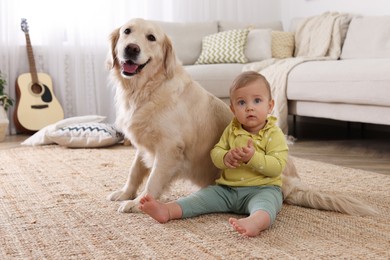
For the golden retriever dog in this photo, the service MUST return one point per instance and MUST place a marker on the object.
(173, 123)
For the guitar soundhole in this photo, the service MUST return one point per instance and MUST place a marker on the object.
(36, 88)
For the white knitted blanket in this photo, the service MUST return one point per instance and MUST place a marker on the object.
(316, 38)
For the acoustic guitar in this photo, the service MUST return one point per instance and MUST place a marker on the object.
(36, 105)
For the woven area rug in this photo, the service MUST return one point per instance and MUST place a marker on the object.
(53, 206)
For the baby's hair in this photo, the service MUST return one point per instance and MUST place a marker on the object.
(248, 77)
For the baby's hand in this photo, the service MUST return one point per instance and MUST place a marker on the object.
(233, 158)
(248, 151)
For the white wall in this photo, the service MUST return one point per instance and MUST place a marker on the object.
(303, 8)
(271, 10)
(231, 10)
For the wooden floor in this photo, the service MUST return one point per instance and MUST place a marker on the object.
(353, 145)
(12, 141)
(369, 154)
(337, 143)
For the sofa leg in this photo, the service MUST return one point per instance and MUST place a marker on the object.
(362, 133)
(295, 126)
(362, 130)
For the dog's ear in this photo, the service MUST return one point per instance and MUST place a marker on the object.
(170, 61)
(111, 60)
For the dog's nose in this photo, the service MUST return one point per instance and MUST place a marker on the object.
(132, 50)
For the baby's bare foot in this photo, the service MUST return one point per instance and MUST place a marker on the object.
(241, 227)
(157, 210)
(251, 226)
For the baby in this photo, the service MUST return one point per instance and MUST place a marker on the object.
(252, 153)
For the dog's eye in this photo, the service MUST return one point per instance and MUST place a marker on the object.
(151, 38)
(127, 31)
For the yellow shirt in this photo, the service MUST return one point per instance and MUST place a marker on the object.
(266, 165)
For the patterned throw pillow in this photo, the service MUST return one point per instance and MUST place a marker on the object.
(41, 137)
(84, 135)
(224, 47)
(283, 44)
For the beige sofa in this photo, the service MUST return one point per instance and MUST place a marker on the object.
(354, 88)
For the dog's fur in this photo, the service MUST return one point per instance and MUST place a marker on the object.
(173, 123)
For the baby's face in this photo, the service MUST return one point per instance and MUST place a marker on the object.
(251, 105)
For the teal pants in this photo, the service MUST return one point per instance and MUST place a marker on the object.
(239, 200)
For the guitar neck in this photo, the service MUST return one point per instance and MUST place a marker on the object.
(31, 60)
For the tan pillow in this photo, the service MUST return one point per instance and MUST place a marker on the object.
(283, 44)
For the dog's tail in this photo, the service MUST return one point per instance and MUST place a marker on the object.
(300, 194)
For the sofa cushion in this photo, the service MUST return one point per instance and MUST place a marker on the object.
(283, 44)
(363, 81)
(187, 38)
(215, 78)
(258, 45)
(230, 25)
(367, 37)
(224, 47)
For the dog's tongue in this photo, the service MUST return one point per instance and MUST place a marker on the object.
(129, 68)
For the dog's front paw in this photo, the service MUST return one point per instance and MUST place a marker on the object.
(119, 195)
(128, 206)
